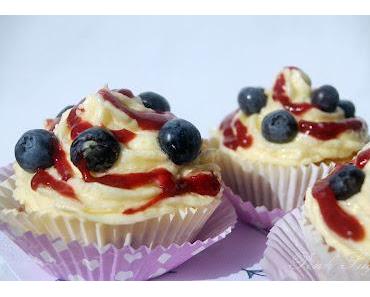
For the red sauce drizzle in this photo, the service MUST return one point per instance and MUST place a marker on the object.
(280, 95)
(61, 163)
(64, 169)
(236, 134)
(342, 223)
(203, 183)
(42, 177)
(125, 92)
(329, 130)
(76, 124)
(148, 120)
(362, 159)
(123, 135)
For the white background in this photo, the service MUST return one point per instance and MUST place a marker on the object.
(198, 63)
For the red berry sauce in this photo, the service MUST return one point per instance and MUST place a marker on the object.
(76, 124)
(235, 133)
(342, 223)
(43, 178)
(147, 120)
(330, 130)
(202, 183)
(280, 95)
(61, 163)
(125, 92)
(362, 159)
(64, 169)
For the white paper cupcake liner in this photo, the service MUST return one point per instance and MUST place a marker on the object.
(178, 227)
(330, 264)
(76, 260)
(286, 256)
(272, 186)
(296, 251)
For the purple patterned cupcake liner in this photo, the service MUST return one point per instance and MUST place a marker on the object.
(77, 261)
(259, 217)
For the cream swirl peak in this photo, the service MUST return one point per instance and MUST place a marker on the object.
(115, 158)
(292, 124)
(338, 208)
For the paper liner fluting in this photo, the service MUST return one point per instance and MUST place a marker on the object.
(296, 251)
(287, 256)
(78, 260)
(177, 227)
(259, 216)
(330, 264)
(268, 185)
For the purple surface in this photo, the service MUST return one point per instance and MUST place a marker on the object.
(242, 249)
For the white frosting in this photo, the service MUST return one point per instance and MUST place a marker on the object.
(103, 203)
(303, 149)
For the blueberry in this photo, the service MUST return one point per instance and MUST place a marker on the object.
(64, 110)
(155, 101)
(279, 126)
(180, 140)
(251, 100)
(326, 98)
(347, 181)
(35, 149)
(98, 147)
(348, 107)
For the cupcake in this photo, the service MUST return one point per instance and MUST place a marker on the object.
(336, 221)
(327, 238)
(280, 141)
(115, 169)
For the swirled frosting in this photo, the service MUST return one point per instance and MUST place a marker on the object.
(343, 224)
(338, 138)
(68, 190)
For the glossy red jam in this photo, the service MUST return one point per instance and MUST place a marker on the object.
(203, 183)
(43, 178)
(342, 223)
(125, 92)
(362, 159)
(61, 163)
(280, 95)
(64, 169)
(77, 126)
(147, 120)
(75, 123)
(329, 130)
(123, 136)
(235, 134)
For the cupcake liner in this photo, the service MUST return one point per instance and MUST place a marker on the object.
(177, 227)
(330, 264)
(268, 185)
(259, 217)
(76, 260)
(296, 251)
(287, 256)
